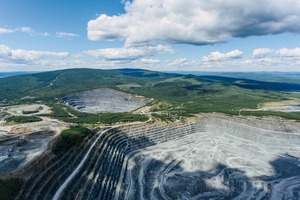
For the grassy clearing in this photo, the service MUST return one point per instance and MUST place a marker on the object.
(290, 115)
(110, 118)
(207, 97)
(165, 117)
(68, 114)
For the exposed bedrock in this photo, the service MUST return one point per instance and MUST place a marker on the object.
(16, 151)
(212, 157)
(104, 100)
(231, 159)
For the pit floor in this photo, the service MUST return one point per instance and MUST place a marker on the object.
(211, 165)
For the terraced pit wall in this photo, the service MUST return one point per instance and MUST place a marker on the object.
(103, 170)
(102, 175)
(233, 158)
(270, 132)
(144, 136)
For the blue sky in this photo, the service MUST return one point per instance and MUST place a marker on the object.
(197, 35)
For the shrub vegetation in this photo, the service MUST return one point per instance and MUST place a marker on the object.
(9, 188)
(71, 137)
(23, 119)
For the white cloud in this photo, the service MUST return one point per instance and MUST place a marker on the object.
(150, 61)
(196, 21)
(248, 61)
(129, 53)
(5, 51)
(136, 57)
(182, 64)
(218, 56)
(262, 52)
(28, 56)
(68, 35)
(177, 62)
(6, 30)
(258, 64)
(31, 31)
(284, 52)
(24, 29)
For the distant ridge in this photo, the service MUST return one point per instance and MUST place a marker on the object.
(8, 74)
(173, 93)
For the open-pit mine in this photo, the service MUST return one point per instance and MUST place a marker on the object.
(211, 156)
(22, 143)
(104, 100)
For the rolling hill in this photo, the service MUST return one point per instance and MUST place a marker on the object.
(173, 94)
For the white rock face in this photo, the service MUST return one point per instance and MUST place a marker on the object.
(231, 159)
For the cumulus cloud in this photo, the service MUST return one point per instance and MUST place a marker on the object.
(5, 51)
(67, 35)
(28, 56)
(137, 57)
(129, 53)
(196, 21)
(218, 56)
(261, 52)
(284, 52)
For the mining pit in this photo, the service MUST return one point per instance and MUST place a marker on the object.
(104, 100)
(22, 143)
(16, 151)
(289, 108)
(212, 156)
(228, 159)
